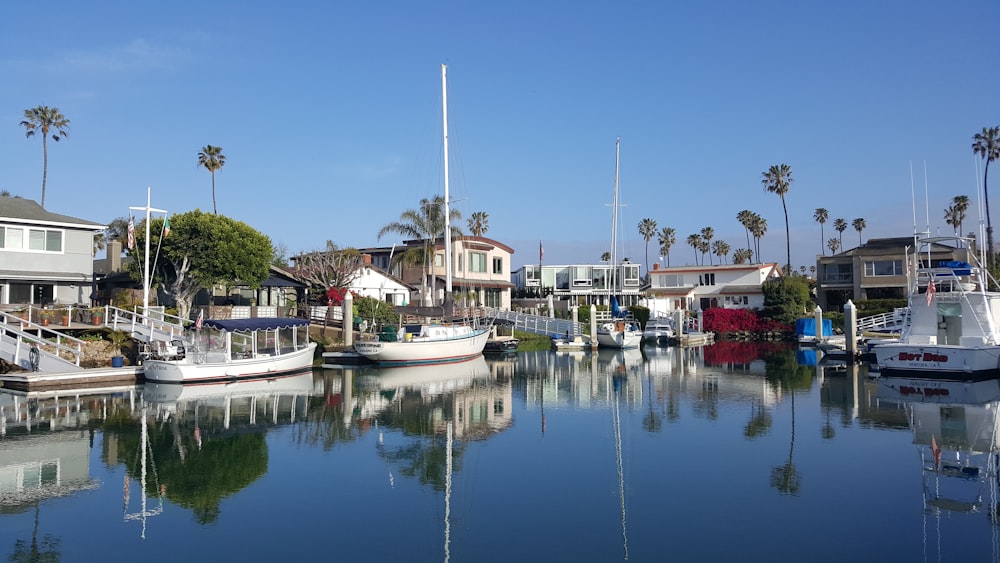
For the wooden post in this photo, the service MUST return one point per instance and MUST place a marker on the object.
(348, 314)
(850, 329)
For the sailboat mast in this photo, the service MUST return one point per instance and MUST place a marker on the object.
(447, 203)
(614, 224)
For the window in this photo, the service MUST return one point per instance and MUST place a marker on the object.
(439, 260)
(732, 300)
(706, 279)
(884, 268)
(498, 265)
(531, 276)
(492, 297)
(631, 275)
(477, 262)
(39, 240)
(599, 278)
(581, 276)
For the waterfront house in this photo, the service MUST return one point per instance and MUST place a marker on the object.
(581, 284)
(874, 270)
(696, 288)
(47, 258)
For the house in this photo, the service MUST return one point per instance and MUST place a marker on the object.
(582, 284)
(45, 258)
(874, 270)
(730, 286)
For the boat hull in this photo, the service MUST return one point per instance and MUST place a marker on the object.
(944, 362)
(435, 351)
(614, 336)
(191, 370)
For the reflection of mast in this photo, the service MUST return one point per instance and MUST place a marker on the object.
(142, 514)
(617, 423)
(447, 496)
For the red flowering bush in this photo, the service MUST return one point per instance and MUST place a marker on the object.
(723, 321)
(336, 295)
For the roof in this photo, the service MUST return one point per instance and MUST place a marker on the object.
(20, 210)
(715, 268)
(260, 323)
(893, 246)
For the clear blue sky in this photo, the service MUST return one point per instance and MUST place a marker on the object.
(329, 114)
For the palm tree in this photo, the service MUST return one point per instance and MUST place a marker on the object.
(742, 256)
(834, 245)
(859, 225)
(647, 228)
(707, 234)
(606, 257)
(427, 224)
(52, 124)
(777, 179)
(745, 217)
(821, 215)
(667, 238)
(721, 249)
(951, 215)
(987, 145)
(961, 204)
(840, 226)
(479, 223)
(212, 159)
(758, 228)
(695, 242)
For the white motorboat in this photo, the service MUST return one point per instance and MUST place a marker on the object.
(658, 329)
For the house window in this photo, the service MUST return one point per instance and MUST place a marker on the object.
(492, 297)
(477, 262)
(706, 279)
(737, 300)
(581, 276)
(631, 275)
(884, 268)
(498, 265)
(39, 240)
(531, 276)
(439, 260)
(599, 278)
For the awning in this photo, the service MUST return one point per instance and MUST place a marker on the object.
(278, 281)
(248, 325)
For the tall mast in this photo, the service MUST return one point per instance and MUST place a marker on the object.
(614, 224)
(447, 203)
(145, 275)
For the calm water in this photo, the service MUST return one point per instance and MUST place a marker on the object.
(735, 452)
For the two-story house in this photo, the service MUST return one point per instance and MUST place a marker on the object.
(731, 286)
(874, 270)
(45, 257)
(582, 284)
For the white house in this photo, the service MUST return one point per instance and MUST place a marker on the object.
(735, 286)
(371, 281)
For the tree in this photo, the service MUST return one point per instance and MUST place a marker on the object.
(279, 250)
(961, 204)
(647, 228)
(742, 256)
(694, 241)
(707, 234)
(721, 249)
(606, 256)
(859, 225)
(840, 226)
(834, 245)
(821, 215)
(212, 159)
(951, 217)
(667, 238)
(479, 223)
(745, 218)
(425, 223)
(987, 146)
(777, 180)
(51, 123)
(758, 228)
(202, 250)
(331, 267)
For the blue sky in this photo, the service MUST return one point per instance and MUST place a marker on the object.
(329, 114)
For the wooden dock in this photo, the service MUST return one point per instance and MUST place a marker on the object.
(79, 379)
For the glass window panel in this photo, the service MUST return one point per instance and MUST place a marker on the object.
(53, 242)
(36, 239)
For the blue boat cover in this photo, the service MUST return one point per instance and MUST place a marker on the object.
(960, 268)
(807, 327)
(249, 325)
(616, 312)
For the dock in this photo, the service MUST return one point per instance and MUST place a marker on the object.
(77, 379)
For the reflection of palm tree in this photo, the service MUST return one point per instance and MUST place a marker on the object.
(760, 421)
(786, 478)
(652, 422)
(36, 552)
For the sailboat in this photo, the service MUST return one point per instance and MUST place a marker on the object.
(432, 343)
(619, 330)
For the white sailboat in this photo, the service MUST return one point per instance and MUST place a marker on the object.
(438, 342)
(619, 331)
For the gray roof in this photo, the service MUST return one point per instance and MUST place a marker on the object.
(20, 210)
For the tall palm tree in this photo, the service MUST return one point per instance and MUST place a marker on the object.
(647, 228)
(987, 145)
(427, 224)
(479, 223)
(961, 204)
(606, 257)
(695, 241)
(707, 234)
(777, 179)
(212, 159)
(859, 225)
(951, 215)
(758, 228)
(742, 256)
(667, 238)
(834, 245)
(745, 217)
(721, 249)
(821, 215)
(52, 124)
(840, 226)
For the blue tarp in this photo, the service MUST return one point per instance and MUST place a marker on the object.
(615, 311)
(960, 268)
(262, 323)
(806, 356)
(807, 327)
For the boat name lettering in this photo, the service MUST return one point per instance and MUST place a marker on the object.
(928, 392)
(925, 357)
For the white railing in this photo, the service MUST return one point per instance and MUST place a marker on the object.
(25, 333)
(538, 324)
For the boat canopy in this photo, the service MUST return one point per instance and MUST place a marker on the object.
(250, 325)
(807, 327)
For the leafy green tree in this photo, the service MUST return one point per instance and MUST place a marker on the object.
(212, 159)
(647, 228)
(667, 238)
(479, 223)
(821, 215)
(777, 180)
(201, 251)
(280, 255)
(786, 299)
(425, 223)
(840, 226)
(50, 123)
(859, 225)
(987, 145)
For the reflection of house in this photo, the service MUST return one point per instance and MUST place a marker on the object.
(731, 286)
(875, 270)
(44, 257)
(583, 284)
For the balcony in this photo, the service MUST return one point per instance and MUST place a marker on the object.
(840, 277)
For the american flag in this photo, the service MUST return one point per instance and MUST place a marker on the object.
(930, 292)
(131, 233)
(201, 319)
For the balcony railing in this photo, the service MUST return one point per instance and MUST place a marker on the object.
(838, 278)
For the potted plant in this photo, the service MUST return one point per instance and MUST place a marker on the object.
(64, 316)
(97, 315)
(118, 339)
(44, 317)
